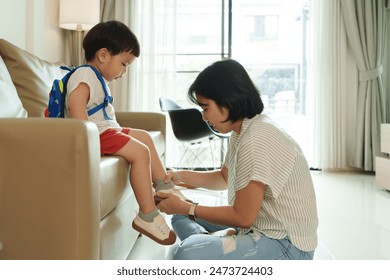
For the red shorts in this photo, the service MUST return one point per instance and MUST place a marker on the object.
(112, 140)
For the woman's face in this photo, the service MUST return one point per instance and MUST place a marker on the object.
(216, 116)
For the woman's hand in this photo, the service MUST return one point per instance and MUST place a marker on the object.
(171, 177)
(176, 178)
(172, 204)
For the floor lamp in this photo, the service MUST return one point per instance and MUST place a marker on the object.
(78, 17)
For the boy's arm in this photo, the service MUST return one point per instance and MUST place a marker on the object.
(77, 102)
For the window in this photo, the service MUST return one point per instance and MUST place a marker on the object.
(265, 27)
(268, 37)
(200, 40)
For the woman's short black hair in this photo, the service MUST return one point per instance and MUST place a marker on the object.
(228, 84)
(113, 35)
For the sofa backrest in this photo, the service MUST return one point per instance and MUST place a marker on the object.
(31, 76)
(10, 104)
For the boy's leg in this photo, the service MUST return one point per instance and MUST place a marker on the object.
(149, 221)
(157, 167)
(137, 154)
(158, 171)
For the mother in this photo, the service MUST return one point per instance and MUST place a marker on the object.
(271, 211)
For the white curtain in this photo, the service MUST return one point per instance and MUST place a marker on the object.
(365, 24)
(332, 99)
(153, 73)
(107, 10)
(386, 64)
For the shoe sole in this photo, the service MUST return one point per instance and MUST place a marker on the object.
(169, 241)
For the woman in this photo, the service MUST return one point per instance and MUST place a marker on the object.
(272, 207)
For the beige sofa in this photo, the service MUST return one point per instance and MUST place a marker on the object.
(58, 198)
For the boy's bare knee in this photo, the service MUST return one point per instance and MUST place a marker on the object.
(142, 152)
(135, 151)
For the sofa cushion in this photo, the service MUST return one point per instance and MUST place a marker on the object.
(31, 75)
(10, 104)
(159, 142)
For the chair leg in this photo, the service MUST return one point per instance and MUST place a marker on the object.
(195, 156)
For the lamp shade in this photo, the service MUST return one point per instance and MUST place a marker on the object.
(79, 14)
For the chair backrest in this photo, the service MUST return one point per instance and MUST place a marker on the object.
(167, 104)
(188, 125)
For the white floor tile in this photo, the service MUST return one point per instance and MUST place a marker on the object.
(354, 222)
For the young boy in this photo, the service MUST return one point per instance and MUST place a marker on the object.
(111, 47)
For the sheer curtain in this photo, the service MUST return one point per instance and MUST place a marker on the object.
(386, 64)
(332, 99)
(366, 24)
(107, 10)
(153, 73)
(335, 91)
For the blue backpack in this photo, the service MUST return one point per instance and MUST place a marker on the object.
(56, 104)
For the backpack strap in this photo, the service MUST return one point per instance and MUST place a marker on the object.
(64, 83)
(107, 98)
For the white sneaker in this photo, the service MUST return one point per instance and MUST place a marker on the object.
(158, 230)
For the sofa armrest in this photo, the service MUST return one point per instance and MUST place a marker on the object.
(49, 189)
(150, 121)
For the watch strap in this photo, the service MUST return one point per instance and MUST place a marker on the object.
(191, 212)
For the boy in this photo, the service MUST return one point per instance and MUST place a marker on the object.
(111, 47)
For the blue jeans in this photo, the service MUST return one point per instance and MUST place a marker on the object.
(197, 244)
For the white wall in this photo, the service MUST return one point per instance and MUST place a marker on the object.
(33, 25)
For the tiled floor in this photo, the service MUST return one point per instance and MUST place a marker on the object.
(354, 218)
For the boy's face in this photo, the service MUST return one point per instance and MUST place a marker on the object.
(115, 66)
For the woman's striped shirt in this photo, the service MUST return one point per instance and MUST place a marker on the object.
(263, 152)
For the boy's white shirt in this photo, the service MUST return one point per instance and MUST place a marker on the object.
(88, 76)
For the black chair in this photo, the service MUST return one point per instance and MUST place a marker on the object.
(189, 128)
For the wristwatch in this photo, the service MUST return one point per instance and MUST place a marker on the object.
(191, 213)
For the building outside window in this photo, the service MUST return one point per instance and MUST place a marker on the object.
(270, 39)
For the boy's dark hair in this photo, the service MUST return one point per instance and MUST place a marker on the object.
(115, 36)
(227, 83)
